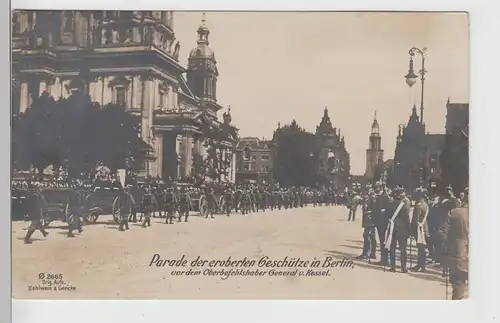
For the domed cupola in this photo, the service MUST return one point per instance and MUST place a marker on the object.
(202, 70)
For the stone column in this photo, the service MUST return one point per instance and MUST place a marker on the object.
(96, 90)
(175, 97)
(146, 108)
(23, 100)
(188, 156)
(178, 140)
(170, 98)
(42, 87)
(159, 153)
(233, 168)
(136, 92)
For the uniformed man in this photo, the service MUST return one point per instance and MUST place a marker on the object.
(125, 209)
(147, 203)
(399, 229)
(75, 212)
(211, 203)
(355, 202)
(228, 200)
(184, 204)
(170, 205)
(420, 230)
(447, 203)
(456, 251)
(368, 225)
(36, 207)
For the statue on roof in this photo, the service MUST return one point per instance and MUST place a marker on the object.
(227, 116)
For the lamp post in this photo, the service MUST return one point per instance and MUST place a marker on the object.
(411, 77)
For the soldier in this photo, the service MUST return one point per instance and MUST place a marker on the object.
(229, 200)
(420, 230)
(147, 206)
(456, 251)
(125, 209)
(353, 207)
(36, 206)
(75, 211)
(211, 202)
(184, 204)
(170, 205)
(368, 225)
(398, 231)
(447, 203)
(133, 208)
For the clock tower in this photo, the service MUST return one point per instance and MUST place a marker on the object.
(202, 70)
(374, 153)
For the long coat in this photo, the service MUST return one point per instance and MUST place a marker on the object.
(419, 212)
(456, 250)
(402, 220)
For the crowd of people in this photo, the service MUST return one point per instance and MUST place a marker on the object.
(169, 200)
(438, 225)
(387, 218)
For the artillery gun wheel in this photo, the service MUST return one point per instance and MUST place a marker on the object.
(116, 210)
(92, 216)
(203, 205)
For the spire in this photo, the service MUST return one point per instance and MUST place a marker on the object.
(203, 31)
(375, 126)
(448, 102)
(325, 112)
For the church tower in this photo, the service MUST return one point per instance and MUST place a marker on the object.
(202, 70)
(374, 153)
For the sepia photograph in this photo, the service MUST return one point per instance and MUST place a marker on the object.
(245, 155)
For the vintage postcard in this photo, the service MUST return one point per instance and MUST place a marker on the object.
(240, 155)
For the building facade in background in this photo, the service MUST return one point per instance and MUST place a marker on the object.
(254, 160)
(374, 154)
(333, 159)
(130, 58)
(423, 159)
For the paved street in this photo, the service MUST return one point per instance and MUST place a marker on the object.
(103, 263)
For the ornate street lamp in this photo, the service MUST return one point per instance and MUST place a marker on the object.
(411, 77)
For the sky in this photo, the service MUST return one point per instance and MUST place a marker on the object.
(279, 66)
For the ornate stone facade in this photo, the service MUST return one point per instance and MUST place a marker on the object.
(334, 161)
(124, 57)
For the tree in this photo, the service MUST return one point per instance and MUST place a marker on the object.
(36, 136)
(78, 135)
(295, 163)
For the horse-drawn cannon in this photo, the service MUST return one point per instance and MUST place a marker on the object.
(61, 203)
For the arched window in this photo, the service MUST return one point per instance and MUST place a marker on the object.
(247, 153)
(120, 87)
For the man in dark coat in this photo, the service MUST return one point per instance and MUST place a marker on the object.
(368, 225)
(36, 207)
(456, 248)
(447, 203)
(419, 228)
(400, 217)
(381, 219)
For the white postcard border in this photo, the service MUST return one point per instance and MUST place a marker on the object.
(485, 67)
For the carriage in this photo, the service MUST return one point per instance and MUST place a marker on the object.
(103, 197)
(61, 202)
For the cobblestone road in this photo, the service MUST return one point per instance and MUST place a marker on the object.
(103, 263)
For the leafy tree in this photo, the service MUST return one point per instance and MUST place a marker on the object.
(78, 135)
(36, 135)
(295, 163)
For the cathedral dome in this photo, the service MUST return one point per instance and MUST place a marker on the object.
(202, 50)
